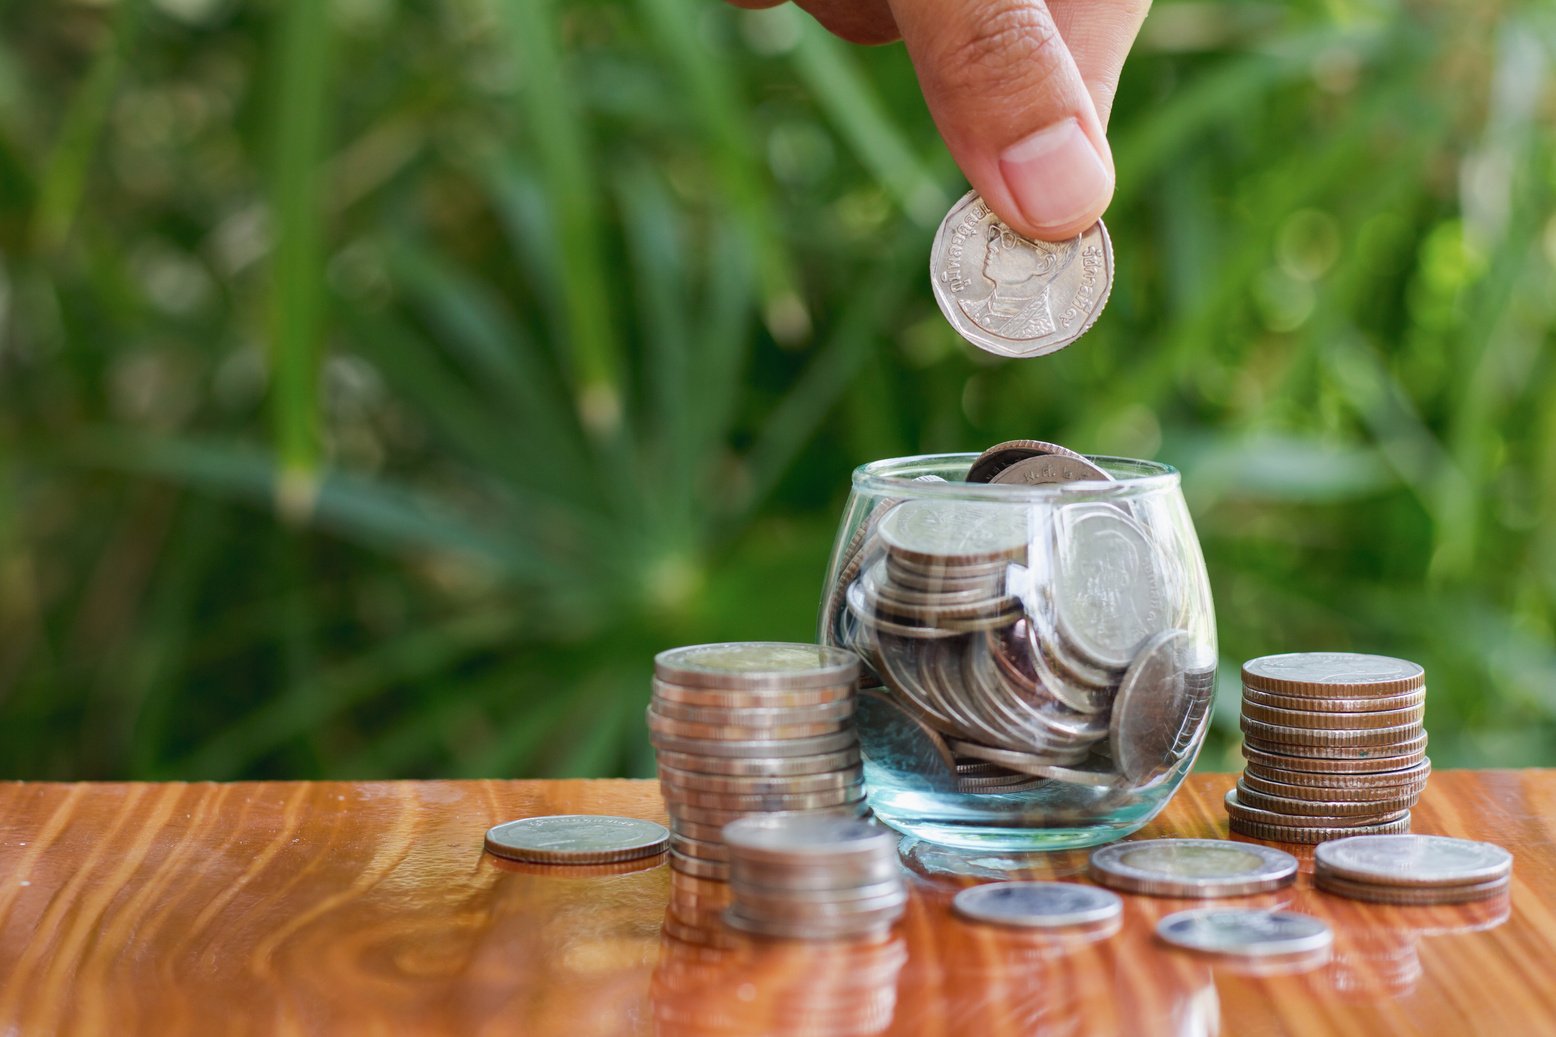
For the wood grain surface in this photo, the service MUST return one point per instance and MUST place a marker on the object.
(370, 908)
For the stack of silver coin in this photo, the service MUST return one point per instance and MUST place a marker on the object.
(751, 727)
(800, 876)
(1334, 747)
(988, 631)
(1412, 869)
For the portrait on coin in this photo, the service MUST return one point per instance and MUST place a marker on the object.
(1021, 271)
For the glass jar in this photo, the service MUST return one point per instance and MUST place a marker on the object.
(1041, 658)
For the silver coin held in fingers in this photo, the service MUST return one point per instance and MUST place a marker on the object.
(1010, 295)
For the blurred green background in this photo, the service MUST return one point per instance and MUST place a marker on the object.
(381, 384)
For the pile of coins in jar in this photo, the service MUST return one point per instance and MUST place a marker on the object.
(1334, 747)
(1023, 645)
(751, 727)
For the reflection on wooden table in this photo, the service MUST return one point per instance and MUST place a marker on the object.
(350, 908)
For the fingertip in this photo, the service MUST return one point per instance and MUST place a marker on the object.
(1057, 180)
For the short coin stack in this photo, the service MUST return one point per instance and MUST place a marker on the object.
(802, 876)
(1412, 869)
(751, 727)
(997, 630)
(1334, 747)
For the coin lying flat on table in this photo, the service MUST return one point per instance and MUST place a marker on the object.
(1037, 905)
(1245, 933)
(577, 839)
(1410, 896)
(1013, 296)
(1414, 860)
(1192, 867)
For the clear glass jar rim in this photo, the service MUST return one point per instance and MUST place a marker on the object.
(896, 477)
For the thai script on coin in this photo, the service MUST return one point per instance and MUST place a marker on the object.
(576, 839)
(1010, 295)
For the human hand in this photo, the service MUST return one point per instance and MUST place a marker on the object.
(1020, 89)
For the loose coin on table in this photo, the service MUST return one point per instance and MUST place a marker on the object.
(1411, 896)
(1192, 867)
(1037, 905)
(1415, 860)
(1238, 932)
(577, 839)
(1013, 296)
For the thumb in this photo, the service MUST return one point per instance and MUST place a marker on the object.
(1006, 94)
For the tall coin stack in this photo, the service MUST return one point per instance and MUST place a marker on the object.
(805, 877)
(751, 727)
(1334, 747)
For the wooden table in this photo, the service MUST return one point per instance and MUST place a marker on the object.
(367, 908)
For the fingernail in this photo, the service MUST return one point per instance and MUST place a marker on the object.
(1055, 175)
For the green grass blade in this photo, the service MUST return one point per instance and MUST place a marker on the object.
(830, 71)
(558, 133)
(62, 181)
(660, 272)
(299, 128)
(829, 374)
(713, 93)
(497, 353)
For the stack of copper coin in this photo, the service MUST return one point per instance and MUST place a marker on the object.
(986, 625)
(1334, 747)
(801, 876)
(751, 727)
(1413, 869)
